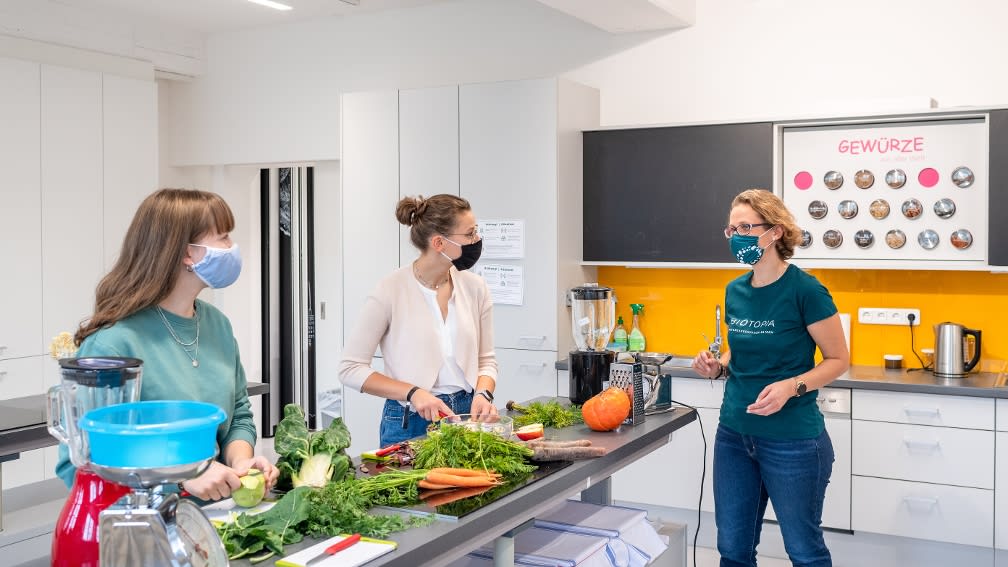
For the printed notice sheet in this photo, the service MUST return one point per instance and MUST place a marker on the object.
(506, 283)
(503, 239)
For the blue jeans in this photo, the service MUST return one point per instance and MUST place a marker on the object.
(392, 430)
(792, 473)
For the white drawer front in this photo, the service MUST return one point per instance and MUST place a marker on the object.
(1001, 415)
(834, 400)
(20, 377)
(698, 392)
(925, 511)
(924, 409)
(944, 455)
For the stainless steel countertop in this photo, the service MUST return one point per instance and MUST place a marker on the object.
(978, 384)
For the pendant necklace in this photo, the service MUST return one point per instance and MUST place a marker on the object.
(425, 283)
(193, 352)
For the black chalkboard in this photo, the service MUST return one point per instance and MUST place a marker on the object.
(663, 194)
(997, 247)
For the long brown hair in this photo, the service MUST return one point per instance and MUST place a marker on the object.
(426, 217)
(773, 211)
(153, 249)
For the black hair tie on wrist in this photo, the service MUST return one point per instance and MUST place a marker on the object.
(411, 392)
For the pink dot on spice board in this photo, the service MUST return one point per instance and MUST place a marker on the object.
(928, 177)
(803, 180)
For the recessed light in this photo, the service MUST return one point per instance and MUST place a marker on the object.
(271, 4)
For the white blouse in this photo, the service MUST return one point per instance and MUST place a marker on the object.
(450, 378)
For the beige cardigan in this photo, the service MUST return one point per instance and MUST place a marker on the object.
(397, 317)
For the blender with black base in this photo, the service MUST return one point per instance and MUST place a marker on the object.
(593, 315)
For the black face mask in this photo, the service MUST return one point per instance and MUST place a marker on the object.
(470, 254)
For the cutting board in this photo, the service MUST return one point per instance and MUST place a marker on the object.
(357, 554)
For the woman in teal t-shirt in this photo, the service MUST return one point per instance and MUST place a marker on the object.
(771, 442)
(178, 244)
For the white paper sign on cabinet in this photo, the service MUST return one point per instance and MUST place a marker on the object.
(506, 283)
(503, 239)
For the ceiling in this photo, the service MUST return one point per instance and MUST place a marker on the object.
(212, 16)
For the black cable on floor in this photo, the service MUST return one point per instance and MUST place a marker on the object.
(703, 476)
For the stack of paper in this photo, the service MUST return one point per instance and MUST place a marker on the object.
(631, 540)
(551, 548)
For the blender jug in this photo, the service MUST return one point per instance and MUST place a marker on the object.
(593, 316)
(88, 383)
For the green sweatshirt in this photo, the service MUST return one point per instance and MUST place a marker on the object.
(168, 372)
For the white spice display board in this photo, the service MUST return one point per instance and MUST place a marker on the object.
(889, 191)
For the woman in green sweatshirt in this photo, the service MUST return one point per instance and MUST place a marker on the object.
(146, 307)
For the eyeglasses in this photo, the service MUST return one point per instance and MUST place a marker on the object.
(473, 235)
(743, 228)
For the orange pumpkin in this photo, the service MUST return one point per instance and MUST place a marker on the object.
(607, 410)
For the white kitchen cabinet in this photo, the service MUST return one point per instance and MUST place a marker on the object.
(29, 467)
(362, 415)
(1001, 491)
(72, 224)
(563, 383)
(671, 475)
(21, 377)
(428, 150)
(920, 510)
(523, 375)
(129, 156)
(21, 226)
(923, 466)
(370, 191)
(520, 157)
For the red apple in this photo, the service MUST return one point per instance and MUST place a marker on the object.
(529, 432)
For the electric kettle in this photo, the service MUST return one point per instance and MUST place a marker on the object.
(951, 349)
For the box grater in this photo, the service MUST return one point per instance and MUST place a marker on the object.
(630, 377)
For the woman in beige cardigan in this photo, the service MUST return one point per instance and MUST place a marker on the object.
(434, 323)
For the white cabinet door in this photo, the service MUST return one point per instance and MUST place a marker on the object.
(428, 149)
(671, 475)
(21, 212)
(29, 467)
(71, 196)
(362, 415)
(370, 189)
(129, 119)
(523, 375)
(1001, 492)
(508, 170)
(20, 377)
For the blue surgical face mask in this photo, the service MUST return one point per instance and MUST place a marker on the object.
(746, 249)
(220, 266)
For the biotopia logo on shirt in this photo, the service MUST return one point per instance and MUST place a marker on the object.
(751, 326)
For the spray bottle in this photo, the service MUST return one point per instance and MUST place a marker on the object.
(636, 338)
(620, 342)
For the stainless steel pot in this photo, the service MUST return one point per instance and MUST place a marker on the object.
(951, 350)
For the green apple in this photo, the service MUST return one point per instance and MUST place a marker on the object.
(252, 489)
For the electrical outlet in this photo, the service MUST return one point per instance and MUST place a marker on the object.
(887, 316)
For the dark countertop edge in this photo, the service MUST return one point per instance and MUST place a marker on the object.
(36, 436)
(976, 385)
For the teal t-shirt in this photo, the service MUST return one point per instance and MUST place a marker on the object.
(769, 341)
(168, 372)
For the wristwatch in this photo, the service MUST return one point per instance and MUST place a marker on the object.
(486, 394)
(800, 388)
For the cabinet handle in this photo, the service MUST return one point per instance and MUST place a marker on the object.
(928, 446)
(933, 412)
(533, 338)
(919, 504)
(533, 365)
(3, 373)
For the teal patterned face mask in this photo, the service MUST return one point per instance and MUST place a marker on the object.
(746, 249)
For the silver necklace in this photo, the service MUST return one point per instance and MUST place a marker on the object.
(192, 353)
(416, 272)
(771, 281)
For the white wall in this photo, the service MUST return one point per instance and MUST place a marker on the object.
(743, 59)
(272, 95)
(780, 58)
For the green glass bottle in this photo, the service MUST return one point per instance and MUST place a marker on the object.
(636, 338)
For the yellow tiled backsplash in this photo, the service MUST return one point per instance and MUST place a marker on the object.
(679, 307)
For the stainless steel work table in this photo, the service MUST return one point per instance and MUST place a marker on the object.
(446, 541)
